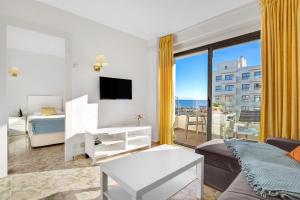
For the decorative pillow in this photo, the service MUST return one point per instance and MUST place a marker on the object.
(48, 111)
(295, 154)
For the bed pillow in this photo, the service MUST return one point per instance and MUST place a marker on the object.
(46, 111)
(295, 154)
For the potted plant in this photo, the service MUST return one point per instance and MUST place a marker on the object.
(140, 117)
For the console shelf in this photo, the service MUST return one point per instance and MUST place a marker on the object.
(110, 142)
(116, 140)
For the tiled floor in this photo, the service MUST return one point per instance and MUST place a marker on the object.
(191, 140)
(24, 159)
(42, 173)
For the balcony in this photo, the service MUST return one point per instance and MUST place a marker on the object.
(225, 92)
(222, 79)
(189, 137)
(250, 103)
(255, 79)
(255, 91)
(233, 80)
(224, 125)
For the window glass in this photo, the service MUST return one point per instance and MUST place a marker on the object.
(257, 74)
(257, 98)
(240, 68)
(229, 77)
(245, 87)
(245, 98)
(245, 76)
(218, 78)
(257, 86)
(191, 87)
(229, 87)
(218, 88)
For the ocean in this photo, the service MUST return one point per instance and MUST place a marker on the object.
(190, 103)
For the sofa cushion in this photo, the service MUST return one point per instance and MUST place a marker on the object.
(218, 155)
(239, 189)
(295, 154)
(285, 144)
(218, 178)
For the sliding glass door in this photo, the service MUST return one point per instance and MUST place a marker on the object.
(236, 91)
(191, 94)
(221, 81)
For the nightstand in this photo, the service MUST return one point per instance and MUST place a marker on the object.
(17, 125)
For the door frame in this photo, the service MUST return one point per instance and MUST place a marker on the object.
(210, 49)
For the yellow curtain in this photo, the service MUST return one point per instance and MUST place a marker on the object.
(280, 112)
(166, 93)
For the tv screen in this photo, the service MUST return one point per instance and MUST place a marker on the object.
(114, 88)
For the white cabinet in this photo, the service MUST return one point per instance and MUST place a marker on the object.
(16, 125)
(116, 140)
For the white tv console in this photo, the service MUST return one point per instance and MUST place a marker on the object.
(116, 140)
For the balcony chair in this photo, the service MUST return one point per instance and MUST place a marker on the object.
(246, 119)
(195, 119)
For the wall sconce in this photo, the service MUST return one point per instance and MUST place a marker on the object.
(14, 71)
(101, 61)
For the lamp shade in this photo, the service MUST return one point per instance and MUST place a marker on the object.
(101, 61)
(14, 71)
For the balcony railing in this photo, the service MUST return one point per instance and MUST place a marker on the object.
(223, 91)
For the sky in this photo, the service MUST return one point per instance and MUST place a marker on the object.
(192, 72)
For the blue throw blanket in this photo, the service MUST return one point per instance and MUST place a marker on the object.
(268, 169)
(49, 125)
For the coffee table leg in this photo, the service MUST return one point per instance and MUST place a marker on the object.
(104, 184)
(200, 182)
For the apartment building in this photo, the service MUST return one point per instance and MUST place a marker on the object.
(237, 86)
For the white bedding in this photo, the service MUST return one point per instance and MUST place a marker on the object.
(38, 116)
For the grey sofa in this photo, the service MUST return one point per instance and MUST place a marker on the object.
(222, 170)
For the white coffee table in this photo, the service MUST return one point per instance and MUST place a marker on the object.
(154, 174)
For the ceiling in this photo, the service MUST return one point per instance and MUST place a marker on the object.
(147, 19)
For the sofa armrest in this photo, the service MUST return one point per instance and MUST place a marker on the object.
(285, 144)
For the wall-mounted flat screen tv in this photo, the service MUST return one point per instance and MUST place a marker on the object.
(115, 88)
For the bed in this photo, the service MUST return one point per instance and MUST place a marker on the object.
(45, 130)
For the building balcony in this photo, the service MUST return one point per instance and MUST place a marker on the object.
(231, 81)
(249, 103)
(225, 92)
(245, 91)
(255, 91)
(245, 80)
(255, 79)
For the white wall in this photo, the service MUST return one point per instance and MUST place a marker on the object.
(243, 20)
(3, 115)
(39, 75)
(35, 42)
(126, 55)
(152, 87)
(41, 61)
(80, 116)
